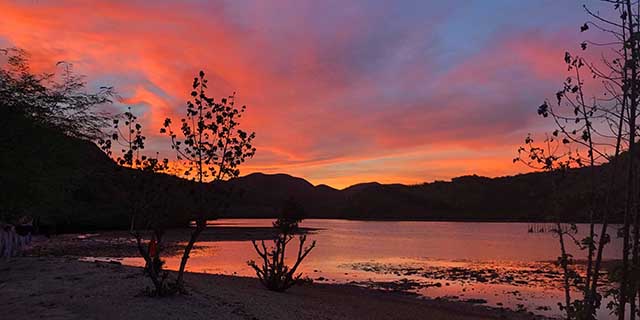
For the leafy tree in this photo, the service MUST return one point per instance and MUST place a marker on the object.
(55, 100)
(604, 127)
(154, 216)
(128, 136)
(619, 75)
(212, 146)
(556, 158)
(273, 272)
(147, 201)
(49, 104)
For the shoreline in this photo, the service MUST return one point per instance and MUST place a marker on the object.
(65, 288)
(121, 244)
(393, 219)
(410, 219)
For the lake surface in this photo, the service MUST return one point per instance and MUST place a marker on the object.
(500, 263)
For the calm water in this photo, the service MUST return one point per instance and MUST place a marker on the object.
(498, 262)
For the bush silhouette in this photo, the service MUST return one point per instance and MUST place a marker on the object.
(274, 273)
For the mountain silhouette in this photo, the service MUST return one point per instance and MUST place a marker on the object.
(468, 198)
(71, 184)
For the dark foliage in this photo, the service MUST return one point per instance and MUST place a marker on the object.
(524, 197)
(212, 147)
(59, 101)
(69, 183)
(149, 208)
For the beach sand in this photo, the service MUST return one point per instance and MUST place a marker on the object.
(65, 288)
(51, 283)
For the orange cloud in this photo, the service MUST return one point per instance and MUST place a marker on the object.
(335, 96)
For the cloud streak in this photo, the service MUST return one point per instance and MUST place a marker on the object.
(337, 93)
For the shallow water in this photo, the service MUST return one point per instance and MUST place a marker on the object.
(500, 263)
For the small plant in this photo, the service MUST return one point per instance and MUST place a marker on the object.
(274, 273)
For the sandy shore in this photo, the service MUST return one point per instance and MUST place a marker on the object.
(64, 288)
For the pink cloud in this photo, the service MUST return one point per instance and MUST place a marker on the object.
(320, 100)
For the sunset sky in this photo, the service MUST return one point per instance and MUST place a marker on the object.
(338, 92)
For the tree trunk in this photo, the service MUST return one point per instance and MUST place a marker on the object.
(185, 256)
(630, 201)
(565, 268)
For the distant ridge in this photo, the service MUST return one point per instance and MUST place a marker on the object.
(523, 197)
(72, 184)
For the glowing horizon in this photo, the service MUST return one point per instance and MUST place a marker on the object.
(338, 94)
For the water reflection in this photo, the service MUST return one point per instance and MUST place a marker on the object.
(497, 263)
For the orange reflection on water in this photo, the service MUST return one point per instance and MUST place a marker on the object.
(500, 263)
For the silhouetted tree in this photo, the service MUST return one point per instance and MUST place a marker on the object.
(128, 136)
(146, 197)
(154, 212)
(604, 127)
(44, 102)
(212, 147)
(273, 271)
(556, 158)
(56, 100)
(619, 75)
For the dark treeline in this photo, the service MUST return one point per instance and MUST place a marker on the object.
(524, 197)
(70, 184)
